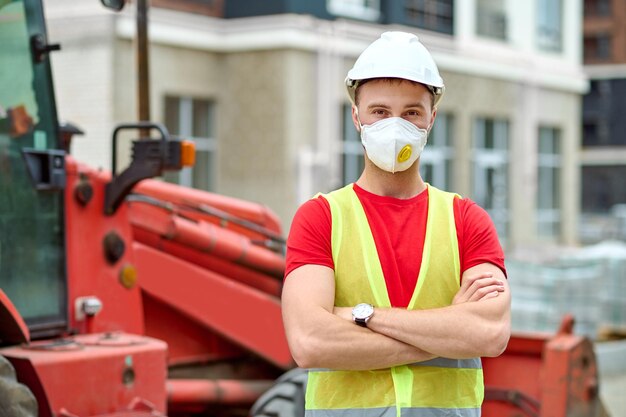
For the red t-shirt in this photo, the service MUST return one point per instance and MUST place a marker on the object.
(399, 228)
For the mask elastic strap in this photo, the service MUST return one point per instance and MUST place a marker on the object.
(358, 119)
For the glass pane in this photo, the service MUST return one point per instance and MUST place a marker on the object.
(349, 132)
(172, 115)
(202, 171)
(352, 168)
(436, 15)
(426, 171)
(172, 176)
(201, 119)
(490, 171)
(449, 166)
(556, 188)
(544, 198)
(491, 19)
(32, 267)
(603, 187)
(549, 24)
(489, 140)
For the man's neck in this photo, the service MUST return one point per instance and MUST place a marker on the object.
(405, 184)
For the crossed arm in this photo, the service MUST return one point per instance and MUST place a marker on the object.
(322, 336)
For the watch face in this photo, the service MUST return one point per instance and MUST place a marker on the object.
(362, 311)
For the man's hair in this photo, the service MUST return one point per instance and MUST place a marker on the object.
(391, 80)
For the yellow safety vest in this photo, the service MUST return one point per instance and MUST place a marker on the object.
(434, 388)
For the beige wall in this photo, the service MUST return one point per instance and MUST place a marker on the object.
(526, 107)
(264, 121)
(263, 113)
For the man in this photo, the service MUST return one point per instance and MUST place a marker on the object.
(394, 289)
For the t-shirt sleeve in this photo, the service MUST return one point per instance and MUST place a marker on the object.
(478, 239)
(309, 236)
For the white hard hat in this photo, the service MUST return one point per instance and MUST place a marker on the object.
(396, 55)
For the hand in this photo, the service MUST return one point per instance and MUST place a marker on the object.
(478, 287)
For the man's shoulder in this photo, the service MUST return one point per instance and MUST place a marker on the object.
(313, 208)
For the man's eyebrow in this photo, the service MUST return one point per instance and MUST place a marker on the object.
(386, 106)
(418, 104)
(378, 105)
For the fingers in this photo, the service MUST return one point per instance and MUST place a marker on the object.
(489, 291)
(478, 287)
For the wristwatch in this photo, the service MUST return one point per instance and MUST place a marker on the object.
(361, 313)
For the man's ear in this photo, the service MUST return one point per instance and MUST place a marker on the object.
(355, 118)
(432, 119)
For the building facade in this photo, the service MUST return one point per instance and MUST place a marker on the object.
(604, 124)
(259, 87)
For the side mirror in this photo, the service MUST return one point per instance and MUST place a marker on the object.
(116, 5)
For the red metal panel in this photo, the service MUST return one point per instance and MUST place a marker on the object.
(187, 340)
(543, 375)
(195, 394)
(242, 314)
(240, 273)
(516, 370)
(245, 210)
(96, 374)
(89, 274)
(12, 327)
(208, 238)
(570, 378)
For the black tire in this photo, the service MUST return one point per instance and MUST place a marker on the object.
(16, 400)
(285, 398)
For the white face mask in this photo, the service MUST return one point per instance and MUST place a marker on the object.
(393, 144)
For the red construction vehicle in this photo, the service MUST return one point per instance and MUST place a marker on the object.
(122, 295)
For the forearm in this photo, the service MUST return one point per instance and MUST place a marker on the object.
(334, 343)
(458, 331)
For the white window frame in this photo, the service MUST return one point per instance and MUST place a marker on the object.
(549, 219)
(486, 19)
(202, 144)
(494, 160)
(549, 26)
(439, 152)
(352, 153)
(431, 12)
(358, 9)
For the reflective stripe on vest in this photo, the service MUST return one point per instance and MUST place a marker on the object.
(438, 387)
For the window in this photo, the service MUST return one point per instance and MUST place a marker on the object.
(357, 9)
(32, 228)
(549, 25)
(549, 182)
(591, 135)
(597, 47)
(490, 170)
(193, 119)
(491, 19)
(603, 188)
(597, 7)
(437, 159)
(597, 111)
(352, 149)
(436, 15)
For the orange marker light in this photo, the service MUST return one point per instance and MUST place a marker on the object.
(187, 153)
